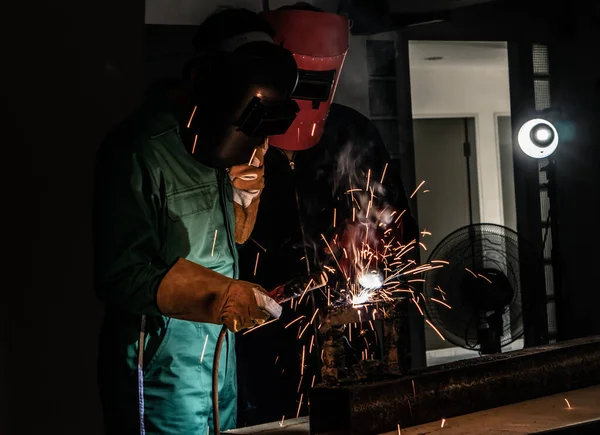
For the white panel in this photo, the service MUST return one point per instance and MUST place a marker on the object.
(471, 87)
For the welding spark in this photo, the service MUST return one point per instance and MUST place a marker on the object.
(258, 244)
(299, 405)
(204, 349)
(484, 277)
(195, 142)
(281, 423)
(312, 133)
(471, 272)
(440, 302)
(192, 116)
(213, 246)
(252, 157)
(259, 326)
(399, 431)
(443, 422)
(383, 175)
(435, 329)
(417, 189)
(302, 333)
(256, 263)
(568, 404)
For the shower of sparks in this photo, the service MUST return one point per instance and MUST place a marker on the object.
(256, 263)
(376, 268)
(212, 252)
(568, 404)
(192, 116)
(204, 349)
(195, 142)
(443, 422)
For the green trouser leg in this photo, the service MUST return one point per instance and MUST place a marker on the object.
(177, 385)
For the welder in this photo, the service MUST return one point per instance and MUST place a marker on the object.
(177, 186)
(306, 181)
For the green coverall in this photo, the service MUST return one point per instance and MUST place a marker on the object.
(153, 204)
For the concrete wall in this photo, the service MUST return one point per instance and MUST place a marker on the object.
(465, 91)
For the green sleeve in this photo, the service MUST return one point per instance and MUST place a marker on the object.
(127, 203)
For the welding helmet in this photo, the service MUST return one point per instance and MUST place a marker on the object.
(242, 89)
(319, 42)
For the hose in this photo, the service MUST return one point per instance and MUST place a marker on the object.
(215, 380)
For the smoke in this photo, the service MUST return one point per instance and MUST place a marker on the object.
(361, 188)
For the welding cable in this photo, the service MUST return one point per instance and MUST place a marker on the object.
(215, 381)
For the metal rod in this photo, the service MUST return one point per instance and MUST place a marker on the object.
(467, 152)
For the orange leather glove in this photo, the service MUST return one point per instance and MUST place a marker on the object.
(248, 180)
(193, 292)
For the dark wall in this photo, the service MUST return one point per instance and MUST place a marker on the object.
(575, 90)
(75, 70)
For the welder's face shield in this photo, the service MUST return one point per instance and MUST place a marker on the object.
(242, 96)
(319, 41)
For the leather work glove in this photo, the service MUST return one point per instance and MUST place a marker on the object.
(193, 292)
(248, 181)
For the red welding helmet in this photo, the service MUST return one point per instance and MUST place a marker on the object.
(319, 43)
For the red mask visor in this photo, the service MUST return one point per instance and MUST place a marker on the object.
(319, 43)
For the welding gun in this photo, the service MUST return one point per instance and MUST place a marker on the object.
(297, 287)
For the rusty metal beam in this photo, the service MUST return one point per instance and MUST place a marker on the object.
(455, 389)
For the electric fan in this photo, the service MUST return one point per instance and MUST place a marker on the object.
(475, 299)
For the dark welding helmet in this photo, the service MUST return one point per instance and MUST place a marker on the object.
(319, 41)
(242, 91)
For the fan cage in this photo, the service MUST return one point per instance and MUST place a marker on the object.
(468, 250)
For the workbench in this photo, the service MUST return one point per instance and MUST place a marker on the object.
(537, 416)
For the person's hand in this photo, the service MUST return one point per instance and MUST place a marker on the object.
(247, 305)
(248, 181)
(193, 292)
